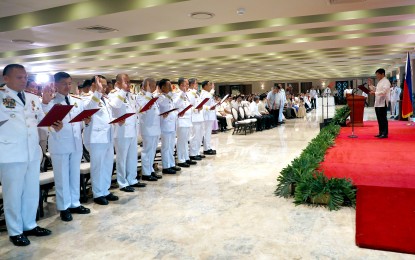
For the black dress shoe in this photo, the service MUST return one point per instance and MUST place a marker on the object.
(19, 240)
(195, 158)
(101, 200)
(127, 189)
(377, 135)
(169, 171)
(66, 215)
(185, 165)
(209, 152)
(111, 197)
(177, 169)
(190, 162)
(156, 175)
(214, 151)
(383, 136)
(38, 232)
(201, 156)
(139, 185)
(148, 178)
(80, 210)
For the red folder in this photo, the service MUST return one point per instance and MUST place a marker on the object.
(184, 110)
(148, 105)
(364, 89)
(125, 116)
(58, 112)
(202, 103)
(167, 112)
(84, 114)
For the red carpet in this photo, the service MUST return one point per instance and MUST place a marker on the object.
(383, 170)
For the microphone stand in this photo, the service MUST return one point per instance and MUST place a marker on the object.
(353, 135)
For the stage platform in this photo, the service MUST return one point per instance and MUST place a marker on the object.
(383, 171)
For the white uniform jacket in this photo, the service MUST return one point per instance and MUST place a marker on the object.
(150, 119)
(181, 101)
(194, 98)
(208, 114)
(69, 138)
(19, 139)
(166, 103)
(99, 131)
(123, 102)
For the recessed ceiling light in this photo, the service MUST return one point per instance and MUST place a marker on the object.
(202, 15)
(21, 41)
(240, 11)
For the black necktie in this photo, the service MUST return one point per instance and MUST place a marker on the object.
(102, 98)
(67, 100)
(21, 96)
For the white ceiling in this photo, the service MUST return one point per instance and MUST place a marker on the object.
(273, 40)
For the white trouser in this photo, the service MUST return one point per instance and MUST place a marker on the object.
(102, 161)
(280, 115)
(228, 121)
(208, 133)
(168, 141)
(20, 183)
(148, 153)
(394, 108)
(66, 169)
(126, 161)
(183, 135)
(196, 138)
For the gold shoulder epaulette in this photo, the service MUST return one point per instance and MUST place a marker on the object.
(74, 96)
(113, 91)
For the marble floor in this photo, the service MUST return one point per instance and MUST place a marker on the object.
(223, 208)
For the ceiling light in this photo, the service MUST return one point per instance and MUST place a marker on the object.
(21, 41)
(240, 11)
(42, 78)
(202, 15)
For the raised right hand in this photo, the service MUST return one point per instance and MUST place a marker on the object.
(47, 93)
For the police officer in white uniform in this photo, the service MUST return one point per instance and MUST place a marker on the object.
(122, 102)
(395, 93)
(21, 155)
(168, 123)
(98, 139)
(209, 116)
(65, 148)
(184, 123)
(149, 128)
(196, 133)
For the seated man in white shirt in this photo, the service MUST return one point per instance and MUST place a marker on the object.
(260, 123)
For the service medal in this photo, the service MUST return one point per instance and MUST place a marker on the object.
(9, 102)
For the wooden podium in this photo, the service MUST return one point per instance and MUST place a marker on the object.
(357, 111)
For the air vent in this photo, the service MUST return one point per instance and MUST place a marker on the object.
(21, 41)
(336, 2)
(98, 29)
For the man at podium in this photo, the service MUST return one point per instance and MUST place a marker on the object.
(382, 95)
